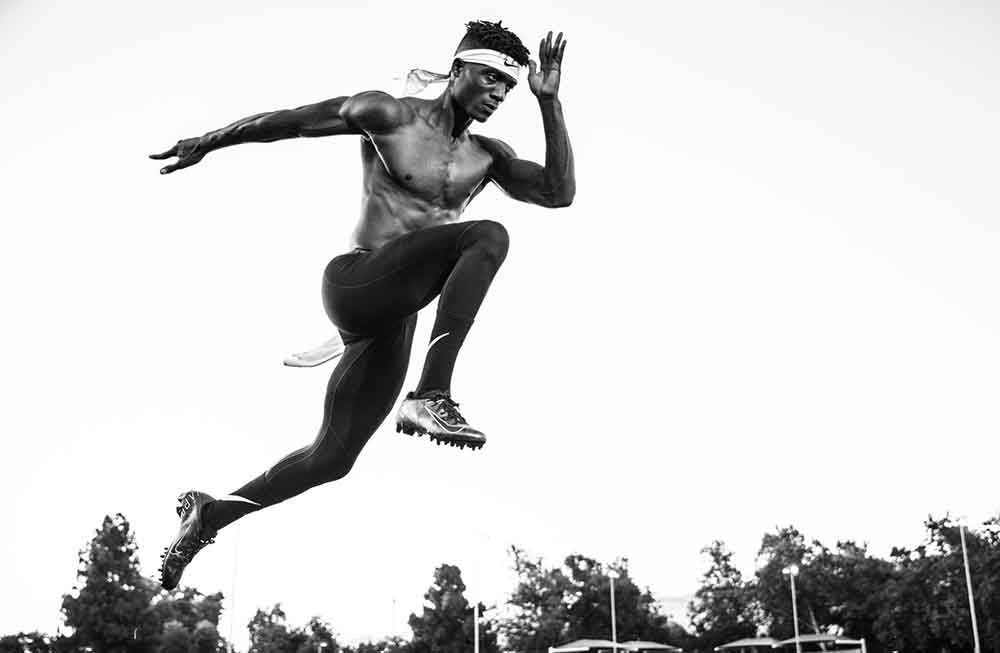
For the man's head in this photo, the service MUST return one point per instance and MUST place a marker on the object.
(486, 66)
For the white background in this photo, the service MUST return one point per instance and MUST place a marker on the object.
(773, 302)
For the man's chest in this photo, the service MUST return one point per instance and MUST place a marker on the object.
(431, 165)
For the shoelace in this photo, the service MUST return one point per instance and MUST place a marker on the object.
(449, 407)
(187, 550)
(191, 547)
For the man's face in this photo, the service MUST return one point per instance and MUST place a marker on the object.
(480, 89)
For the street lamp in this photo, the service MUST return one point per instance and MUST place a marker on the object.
(320, 646)
(475, 621)
(792, 571)
(968, 585)
(612, 575)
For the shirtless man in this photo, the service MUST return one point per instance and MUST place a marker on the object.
(421, 169)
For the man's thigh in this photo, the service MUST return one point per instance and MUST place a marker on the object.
(366, 291)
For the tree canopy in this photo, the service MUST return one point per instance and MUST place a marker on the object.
(914, 600)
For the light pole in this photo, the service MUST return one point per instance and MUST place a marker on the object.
(475, 621)
(612, 575)
(968, 584)
(792, 571)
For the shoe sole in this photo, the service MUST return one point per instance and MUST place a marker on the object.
(439, 439)
(169, 549)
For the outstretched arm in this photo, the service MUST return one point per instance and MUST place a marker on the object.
(368, 112)
(553, 185)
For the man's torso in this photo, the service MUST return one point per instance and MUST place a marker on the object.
(417, 176)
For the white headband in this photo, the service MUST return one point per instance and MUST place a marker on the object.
(502, 62)
(419, 79)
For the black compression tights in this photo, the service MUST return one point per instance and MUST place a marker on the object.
(373, 298)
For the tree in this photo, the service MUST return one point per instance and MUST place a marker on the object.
(915, 601)
(777, 552)
(197, 613)
(175, 639)
(189, 607)
(552, 605)
(110, 610)
(33, 642)
(724, 607)
(269, 632)
(837, 590)
(540, 599)
(388, 645)
(847, 582)
(315, 633)
(926, 602)
(206, 638)
(446, 624)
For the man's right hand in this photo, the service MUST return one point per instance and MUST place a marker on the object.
(187, 154)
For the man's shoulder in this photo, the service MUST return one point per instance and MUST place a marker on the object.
(494, 146)
(377, 111)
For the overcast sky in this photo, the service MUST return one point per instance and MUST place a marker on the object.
(773, 302)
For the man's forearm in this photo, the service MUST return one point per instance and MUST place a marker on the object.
(560, 178)
(259, 128)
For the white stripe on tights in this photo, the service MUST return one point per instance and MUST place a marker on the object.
(238, 499)
(438, 338)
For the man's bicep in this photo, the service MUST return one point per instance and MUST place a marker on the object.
(373, 112)
(521, 179)
(321, 119)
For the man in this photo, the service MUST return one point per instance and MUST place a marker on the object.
(421, 169)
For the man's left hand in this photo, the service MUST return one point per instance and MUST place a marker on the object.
(543, 79)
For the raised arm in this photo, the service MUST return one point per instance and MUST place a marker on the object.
(368, 112)
(553, 185)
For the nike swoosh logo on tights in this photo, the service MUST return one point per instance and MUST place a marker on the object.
(438, 338)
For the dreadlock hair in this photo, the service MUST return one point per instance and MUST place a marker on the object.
(484, 34)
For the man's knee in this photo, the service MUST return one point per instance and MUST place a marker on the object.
(332, 468)
(490, 238)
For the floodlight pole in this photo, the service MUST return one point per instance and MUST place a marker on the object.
(968, 584)
(614, 625)
(793, 571)
(475, 619)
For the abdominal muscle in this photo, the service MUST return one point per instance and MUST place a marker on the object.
(390, 210)
(384, 218)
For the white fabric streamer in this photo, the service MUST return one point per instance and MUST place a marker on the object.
(418, 79)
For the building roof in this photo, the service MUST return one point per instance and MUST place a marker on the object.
(639, 645)
(582, 645)
(818, 639)
(748, 642)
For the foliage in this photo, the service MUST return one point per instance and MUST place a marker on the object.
(316, 634)
(388, 645)
(914, 601)
(206, 639)
(110, 610)
(724, 607)
(115, 608)
(925, 604)
(269, 633)
(33, 642)
(189, 607)
(553, 605)
(446, 624)
(175, 639)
